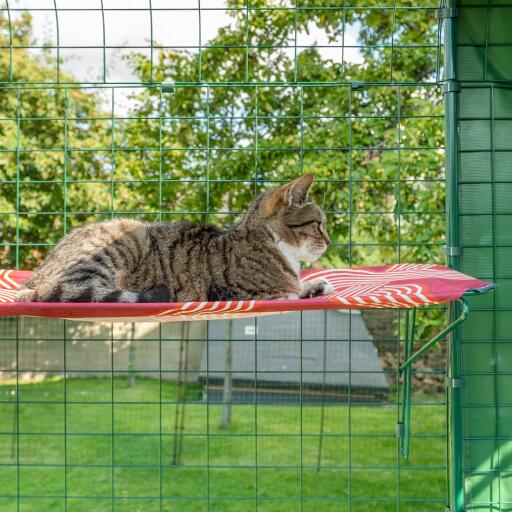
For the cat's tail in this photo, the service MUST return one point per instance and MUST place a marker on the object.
(62, 293)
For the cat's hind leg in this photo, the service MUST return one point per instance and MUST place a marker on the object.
(159, 293)
(26, 295)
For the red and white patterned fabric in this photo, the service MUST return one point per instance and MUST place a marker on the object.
(405, 285)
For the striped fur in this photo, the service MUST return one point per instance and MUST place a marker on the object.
(131, 261)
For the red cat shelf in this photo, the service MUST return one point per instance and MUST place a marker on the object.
(391, 286)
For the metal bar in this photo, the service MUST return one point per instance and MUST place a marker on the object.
(200, 53)
(182, 389)
(405, 423)
(277, 83)
(324, 379)
(179, 409)
(448, 329)
(454, 398)
(454, 395)
(408, 384)
(355, 7)
(9, 23)
(160, 421)
(404, 400)
(112, 419)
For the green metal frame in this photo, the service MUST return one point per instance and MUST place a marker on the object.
(480, 167)
(406, 369)
(453, 392)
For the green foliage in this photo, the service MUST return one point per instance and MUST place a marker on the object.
(205, 150)
(375, 150)
(37, 124)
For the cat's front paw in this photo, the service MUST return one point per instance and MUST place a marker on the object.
(316, 288)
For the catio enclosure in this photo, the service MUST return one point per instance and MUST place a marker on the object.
(176, 109)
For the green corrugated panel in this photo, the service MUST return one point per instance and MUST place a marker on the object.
(484, 65)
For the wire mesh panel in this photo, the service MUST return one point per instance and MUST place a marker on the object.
(484, 119)
(167, 110)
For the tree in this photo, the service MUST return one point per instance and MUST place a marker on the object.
(373, 148)
(205, 150)
(227, 388)
(52, 156)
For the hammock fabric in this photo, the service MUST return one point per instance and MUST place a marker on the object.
(390, 286)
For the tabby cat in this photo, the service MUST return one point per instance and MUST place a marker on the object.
(132, 261)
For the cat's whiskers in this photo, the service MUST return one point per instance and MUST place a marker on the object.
(333, 201)
(323, 199)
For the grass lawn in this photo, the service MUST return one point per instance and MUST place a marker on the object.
(90, 450)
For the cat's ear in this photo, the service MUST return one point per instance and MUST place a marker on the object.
(294, 192)
(297, 190)
(272, 203)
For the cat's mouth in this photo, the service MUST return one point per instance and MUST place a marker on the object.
(311, 254)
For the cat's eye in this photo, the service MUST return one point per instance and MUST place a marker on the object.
(303, 224)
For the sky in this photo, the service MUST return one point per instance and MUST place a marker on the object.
(129, 29)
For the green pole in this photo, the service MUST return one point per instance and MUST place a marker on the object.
(454, 391)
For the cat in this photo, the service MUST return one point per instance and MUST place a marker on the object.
(126, 260)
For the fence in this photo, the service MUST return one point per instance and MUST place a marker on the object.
(481, 115)
(180, 111)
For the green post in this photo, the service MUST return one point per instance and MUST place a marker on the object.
(454, 399)
(454, 391)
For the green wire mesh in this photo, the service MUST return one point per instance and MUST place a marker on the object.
(484, 152)
(162, 124)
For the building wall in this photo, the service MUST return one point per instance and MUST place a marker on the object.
(93, 347)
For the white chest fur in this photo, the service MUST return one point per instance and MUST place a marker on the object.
(290, 254)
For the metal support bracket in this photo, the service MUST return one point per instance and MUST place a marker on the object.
(453, 251)
(405, 370)
(358, 84)
(168, 87)
(442, 14)
(454, 383)
(451, 86)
